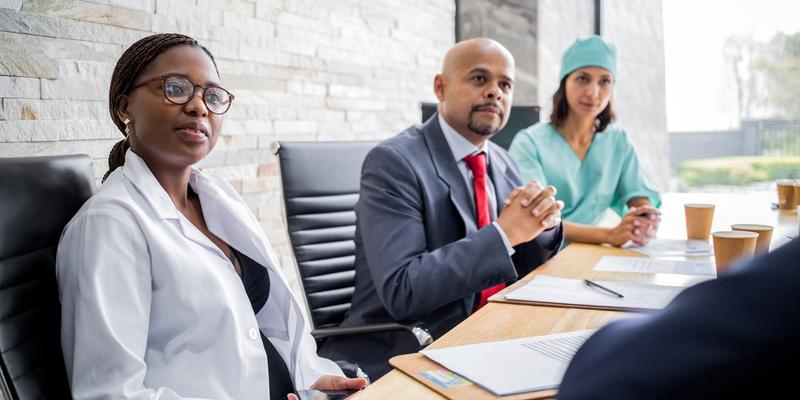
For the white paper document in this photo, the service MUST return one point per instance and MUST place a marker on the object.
(655, 266)
(673, 247)
(575, 292)
(513, 366)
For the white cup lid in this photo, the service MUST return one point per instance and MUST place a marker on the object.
(734, 234)
(698, 205)
(751, 227)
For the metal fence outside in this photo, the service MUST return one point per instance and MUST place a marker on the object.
(768, 137)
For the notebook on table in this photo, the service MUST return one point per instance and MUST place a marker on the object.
(556, 291)
(518, 369)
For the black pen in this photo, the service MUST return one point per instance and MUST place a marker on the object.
(603, 289)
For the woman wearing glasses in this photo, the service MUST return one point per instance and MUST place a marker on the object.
(169, 288)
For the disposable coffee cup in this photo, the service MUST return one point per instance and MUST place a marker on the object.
(796, 195)
(764, 235)
(732, 246)
(786, 195)
(698, 220)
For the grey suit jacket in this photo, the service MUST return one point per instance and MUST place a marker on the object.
(735, 337)
(419, 254)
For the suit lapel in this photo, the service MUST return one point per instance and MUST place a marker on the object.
(448, 172)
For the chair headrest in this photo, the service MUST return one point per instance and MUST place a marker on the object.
(38, 196)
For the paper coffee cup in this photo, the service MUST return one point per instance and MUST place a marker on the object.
(731, 246)
(698, 220)
(796, 195)
(786, 195)
(764, 235)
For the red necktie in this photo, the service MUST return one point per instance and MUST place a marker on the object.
(477, 163)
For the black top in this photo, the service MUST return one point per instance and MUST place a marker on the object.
(256, 283)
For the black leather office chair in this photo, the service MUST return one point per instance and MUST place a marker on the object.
(320, 188)
(521, 117)
(38, 196)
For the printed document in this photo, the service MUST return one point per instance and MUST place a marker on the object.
(655, 266)
(673, 247)
(545, 289)
(513, 366)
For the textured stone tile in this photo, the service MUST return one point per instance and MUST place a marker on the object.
(90, 12)
(11, 4)
(74, 89)
(53, 26)
(19, 87)
(29, 66)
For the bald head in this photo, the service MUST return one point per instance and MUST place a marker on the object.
(475, 88)
(469, 49)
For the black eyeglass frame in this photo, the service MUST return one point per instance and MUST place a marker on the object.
(163, 79)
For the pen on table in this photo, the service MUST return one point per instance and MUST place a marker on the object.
(603, 289)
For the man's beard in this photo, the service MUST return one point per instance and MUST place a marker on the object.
(484, 128)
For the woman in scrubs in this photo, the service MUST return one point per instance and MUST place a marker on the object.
(586, 157)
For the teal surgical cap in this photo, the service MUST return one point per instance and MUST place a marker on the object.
(590, 52)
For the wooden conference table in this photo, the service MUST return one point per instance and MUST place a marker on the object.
(504, 321)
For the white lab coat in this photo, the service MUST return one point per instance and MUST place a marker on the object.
(152, 309)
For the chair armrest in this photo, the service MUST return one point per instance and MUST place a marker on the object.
(5, 393)
(418, 329)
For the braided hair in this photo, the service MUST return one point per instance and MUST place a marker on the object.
(132, 62)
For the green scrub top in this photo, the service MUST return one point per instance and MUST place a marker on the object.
(608, 176)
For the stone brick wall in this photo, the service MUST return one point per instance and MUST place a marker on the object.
(300, 69)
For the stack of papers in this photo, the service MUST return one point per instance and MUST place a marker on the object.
(672, 247)
(655, 266)
(551, 290)
(517, 366)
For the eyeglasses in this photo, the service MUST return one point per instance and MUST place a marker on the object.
(180, 90)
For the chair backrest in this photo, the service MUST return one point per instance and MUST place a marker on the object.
(521, 117)
(320, 188)
(38, 196)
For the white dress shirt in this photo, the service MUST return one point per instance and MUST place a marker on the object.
(461, 147)
(152, 309)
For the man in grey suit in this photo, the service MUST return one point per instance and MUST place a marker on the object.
(442, 219)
